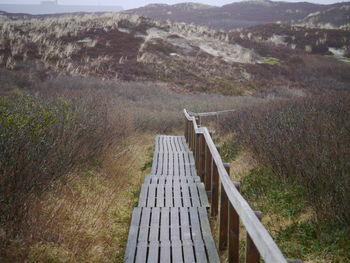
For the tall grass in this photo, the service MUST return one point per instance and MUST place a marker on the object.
(45, 136)
(59, 199)
(304, 140)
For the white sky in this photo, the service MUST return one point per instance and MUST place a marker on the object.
(137, 3)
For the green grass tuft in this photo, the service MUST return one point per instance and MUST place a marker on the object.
(270, 61)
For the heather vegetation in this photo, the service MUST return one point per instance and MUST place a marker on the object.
(65, 141)
(301, 175)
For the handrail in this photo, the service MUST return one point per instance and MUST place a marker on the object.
(259, 236)
(207, 114)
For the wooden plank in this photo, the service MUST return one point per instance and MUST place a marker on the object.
(207, 236)
(141, 253)
(176, 249)
(171, 164)
(153, 254)
(151, 199)
(175, 226)
(177, 195)
(185, 224)
(155, 225)
(186, 199)
(184, 144)
(155, 163)
(160, 195)
(200, 253)
(168, 196)
(132, 239)
(176, 165)
(165, 253)
(203, 195)
(164, 224)
(187, 165)
(144, 225)
(194, 195)
(143, 196)
(165, 163)
(195, 224)
(181, 164)
(160, 163)
(188, 251)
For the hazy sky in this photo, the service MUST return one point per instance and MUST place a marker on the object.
(136, 3)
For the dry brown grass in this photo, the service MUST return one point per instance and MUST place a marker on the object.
(85, 217)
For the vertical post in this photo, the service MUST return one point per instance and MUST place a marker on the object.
(191, 136)
(186, 128)
(215, 188)
(197, 152)
(233, 236)
(223, 226)
(252, 253)
(202, 147)
(207, 169)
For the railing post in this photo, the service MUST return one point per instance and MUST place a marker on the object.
(207, 169)
(197, 151)
(215, 188)
(202, 146)
(233, 237)
(191, 135)
(223, 226)
(252, 253)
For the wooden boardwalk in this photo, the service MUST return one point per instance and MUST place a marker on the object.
(171, 223)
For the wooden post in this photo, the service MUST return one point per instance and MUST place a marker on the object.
(191, 136)
(207, 169)
(223, 226)
(186, 128)
(199, 121)
(252, 253)
(215, 188)
(202, 146)
(233, 236)
(197, 152)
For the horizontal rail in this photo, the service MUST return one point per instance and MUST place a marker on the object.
(264, 243)
(207, 114)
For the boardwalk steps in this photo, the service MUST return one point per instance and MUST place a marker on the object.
(171, 223)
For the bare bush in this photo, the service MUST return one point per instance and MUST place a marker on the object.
(45, 136)
(305, 140)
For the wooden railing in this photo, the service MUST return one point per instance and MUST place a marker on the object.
(233, 207)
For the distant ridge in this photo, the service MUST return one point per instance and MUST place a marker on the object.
(55, 8)
(245, 13)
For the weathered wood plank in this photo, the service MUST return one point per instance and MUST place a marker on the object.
(143, 195)
(155, 225)
(165, 253)
(176, 248)
(151, 200)
(164, 225)
(132, 239)
(153, 253)
(144, 225)
(174, 227)
(141, 252)
(160, 195)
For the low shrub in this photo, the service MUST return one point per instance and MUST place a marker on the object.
(303, 140)
(44, 137)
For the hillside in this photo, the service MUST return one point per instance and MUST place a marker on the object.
(191, 58)
(235, 15)
(336, 17)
